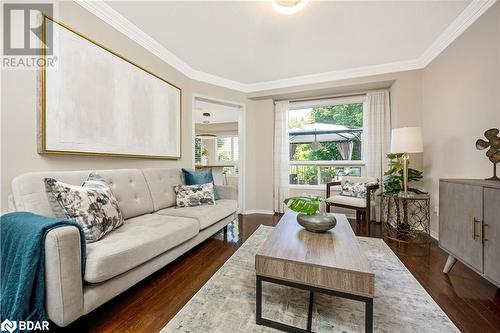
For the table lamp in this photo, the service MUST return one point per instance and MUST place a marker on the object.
(406, 140)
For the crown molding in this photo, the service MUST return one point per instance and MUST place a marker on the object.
(335, 75)
(103, 11)
(120, 23)
(468, 16)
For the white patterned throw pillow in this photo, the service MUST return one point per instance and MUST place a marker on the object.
(354, 189)
(195, 195)
(92, 205)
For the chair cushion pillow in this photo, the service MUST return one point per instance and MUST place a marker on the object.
(195, 195)
(347, 201)
(193, 177)
(92, 205)
(353, 189)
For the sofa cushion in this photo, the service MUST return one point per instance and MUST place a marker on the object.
(138, 240)
(161, 183)
(128, 186)
(195, 195)
(197, 177)
(93, 206)
(205, 214)
(130, 189)
(29, 194)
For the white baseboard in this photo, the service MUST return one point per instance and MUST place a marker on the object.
(434, 235)
(258, 211)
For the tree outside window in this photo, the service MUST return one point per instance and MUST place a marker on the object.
(227, 148)
(319, 134)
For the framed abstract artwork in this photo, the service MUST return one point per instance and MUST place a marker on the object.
(96, 102)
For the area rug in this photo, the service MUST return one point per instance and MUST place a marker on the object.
(226, 303)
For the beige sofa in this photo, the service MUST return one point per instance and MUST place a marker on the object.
(155, 233)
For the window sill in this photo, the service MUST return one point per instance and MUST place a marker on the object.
(308, 187)
(330, 163)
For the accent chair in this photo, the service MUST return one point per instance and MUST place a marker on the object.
(334, 197)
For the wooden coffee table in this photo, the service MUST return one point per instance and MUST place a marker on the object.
(331, 263)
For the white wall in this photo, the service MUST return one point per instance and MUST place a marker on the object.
(461, 99)
(19, 109)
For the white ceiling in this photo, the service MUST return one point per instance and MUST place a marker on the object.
(219, 113)
(247, 46)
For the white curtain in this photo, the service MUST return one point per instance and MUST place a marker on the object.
(345, 149)
(281, 155)
(376, 135)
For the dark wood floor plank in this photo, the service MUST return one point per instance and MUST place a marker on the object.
(470, 301)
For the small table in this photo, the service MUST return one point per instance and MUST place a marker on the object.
(406, 221)
(330, 263)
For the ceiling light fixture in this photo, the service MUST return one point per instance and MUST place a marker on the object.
(206, 136)
(289, 6)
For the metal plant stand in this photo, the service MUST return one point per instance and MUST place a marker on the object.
(406, 222)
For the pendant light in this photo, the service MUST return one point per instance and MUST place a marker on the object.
(316, 145)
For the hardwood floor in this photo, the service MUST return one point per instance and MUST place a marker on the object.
(469, 300)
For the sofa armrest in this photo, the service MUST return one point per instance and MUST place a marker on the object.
(11, 205)
(63, 275)
(228, 192)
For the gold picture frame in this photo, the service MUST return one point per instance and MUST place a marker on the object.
(42, 137)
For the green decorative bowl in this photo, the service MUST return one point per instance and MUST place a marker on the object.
(317, 222)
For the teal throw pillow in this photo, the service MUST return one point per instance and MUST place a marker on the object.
(193, 177)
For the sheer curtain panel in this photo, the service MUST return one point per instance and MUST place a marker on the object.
(281, 155)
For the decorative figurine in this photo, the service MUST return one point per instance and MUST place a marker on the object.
(494, 152)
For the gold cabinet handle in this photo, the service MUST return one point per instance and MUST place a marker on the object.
(482, 232)
(474, 221)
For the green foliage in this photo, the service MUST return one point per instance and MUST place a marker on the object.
(349, 115)
(393, 178)
(301, 122)
(223, 154)
(311, 175)
(306, 205)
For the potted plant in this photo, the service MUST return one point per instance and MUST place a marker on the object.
(308, 213)
(393, 185)
(393, 178)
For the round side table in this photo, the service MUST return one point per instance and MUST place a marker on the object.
(406, 222)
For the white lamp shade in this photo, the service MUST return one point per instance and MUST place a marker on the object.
(407, 140)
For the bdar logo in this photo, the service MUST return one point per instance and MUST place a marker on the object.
(8, 325)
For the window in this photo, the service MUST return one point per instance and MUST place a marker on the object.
(326, 140)
(197, 150)
(227, 149)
